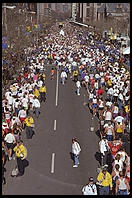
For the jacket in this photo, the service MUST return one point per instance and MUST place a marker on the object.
(103, 146)
(107, 181)
(20, 151)
(29, 121)
(42, 89)
(76, 148)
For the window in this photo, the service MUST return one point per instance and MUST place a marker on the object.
(88, 12)
(88, 4)
(118, 9)
(98, 4)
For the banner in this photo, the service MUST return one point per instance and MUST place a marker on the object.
(4, 45)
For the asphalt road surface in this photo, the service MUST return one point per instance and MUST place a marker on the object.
(50, 172)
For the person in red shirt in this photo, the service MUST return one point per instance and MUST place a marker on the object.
(100, 91)
(114, 147)
(52, 72)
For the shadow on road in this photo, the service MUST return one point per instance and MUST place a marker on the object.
(98, 133)
(98, 157)
(71, 156)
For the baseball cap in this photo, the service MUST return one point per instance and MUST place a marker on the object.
(91, 179)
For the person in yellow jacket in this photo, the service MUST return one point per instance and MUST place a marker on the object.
(104, 178)
(75, 75)
(119, 129)
(29, 122)
(109, 83)
(36, 92)
(21, 154)
(42, 91)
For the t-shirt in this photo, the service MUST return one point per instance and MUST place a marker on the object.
(119, 119)
(22, 113)
(9, 138)
(108, 115)
(114, 148)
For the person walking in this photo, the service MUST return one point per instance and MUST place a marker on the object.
(42, 92)
(36, 106)
(122, 185)
(78, 85)
(104, 150)
(29, 122)
(90, 188)
(21, 154)
(104, 180)
(10, 141)
(63, 76)
(52, 72)
(76, 149)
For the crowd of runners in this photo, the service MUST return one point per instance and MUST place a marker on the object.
(93, 63)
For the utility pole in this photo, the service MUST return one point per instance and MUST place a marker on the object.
(5, 18)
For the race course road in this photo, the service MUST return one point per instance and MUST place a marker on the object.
(50, 172)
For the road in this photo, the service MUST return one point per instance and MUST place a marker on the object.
(50, 172)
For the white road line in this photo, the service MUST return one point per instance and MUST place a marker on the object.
(52, 162)
(57, 90)
(54, 125)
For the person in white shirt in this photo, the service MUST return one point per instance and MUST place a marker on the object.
(63, 76)
(107, 115)
(10, 140)
(76, 149)
(90, 188)
(36, 106)
(118, 119)
(115, 94)
(7, 94)
(110, 93)
(10, 99)
(118, 161)
(22, 116)
(104, 150)
(40, 83)
(78, 85)
(24, 102)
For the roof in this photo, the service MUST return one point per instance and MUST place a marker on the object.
(111, 7)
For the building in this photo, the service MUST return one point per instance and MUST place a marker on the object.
(116, 14)
(116, 10)
(88, 11)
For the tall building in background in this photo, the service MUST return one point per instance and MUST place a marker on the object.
(88, 11)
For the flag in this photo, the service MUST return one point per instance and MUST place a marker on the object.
(28, 29)
(37, 26)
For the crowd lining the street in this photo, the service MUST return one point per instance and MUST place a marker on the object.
(93, 63)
